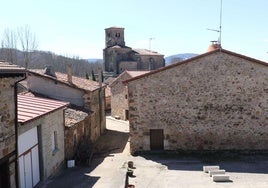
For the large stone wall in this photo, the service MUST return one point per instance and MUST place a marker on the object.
(119, 101)
(95, 101)
(7, 126)
(218, 101)
(7, 117)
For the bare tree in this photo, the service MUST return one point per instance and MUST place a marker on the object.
(9, 46)
(28, 43)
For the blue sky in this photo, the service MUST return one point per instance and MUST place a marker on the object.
(76, 27)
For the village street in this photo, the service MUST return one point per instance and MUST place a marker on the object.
(109, 166)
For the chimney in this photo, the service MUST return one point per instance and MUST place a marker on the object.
(215, 45)
(100, 76)
(69, 74)
(49, 70)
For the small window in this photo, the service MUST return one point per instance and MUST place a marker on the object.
(117, 35)
(54, 140)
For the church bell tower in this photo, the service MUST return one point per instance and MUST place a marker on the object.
(114, 36)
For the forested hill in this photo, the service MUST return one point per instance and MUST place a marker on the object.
(42, 59)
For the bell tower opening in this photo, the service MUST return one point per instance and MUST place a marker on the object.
(114, 36)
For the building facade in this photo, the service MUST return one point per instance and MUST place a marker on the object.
(214, 101)
(118, 57)
(83, 93)
(40, 139)
(119, 94)
(10, 75)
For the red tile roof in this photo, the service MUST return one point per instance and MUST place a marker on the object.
(136, 73)
(146, 52)
(132, 74)
(31, 107)
(6, 67)
(77, 82)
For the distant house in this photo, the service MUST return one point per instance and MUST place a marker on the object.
(119, 95)
(10, 75)
(214, 101)
(80, 92)
(40, 139)
(118, 57)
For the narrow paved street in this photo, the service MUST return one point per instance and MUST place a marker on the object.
(109, 166)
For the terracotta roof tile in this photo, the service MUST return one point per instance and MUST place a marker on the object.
(31, 107)
(146, 52)
(6, 67)
(77, 82)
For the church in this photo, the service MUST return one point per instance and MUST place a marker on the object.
(117, 57)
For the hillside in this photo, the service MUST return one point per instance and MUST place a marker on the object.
(178, 57)
(42, 59)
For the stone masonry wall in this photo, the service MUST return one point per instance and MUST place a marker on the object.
(119, 101)
(95, 101)
(53, 159)
(218, 101)
(81, 131)
(7, 125)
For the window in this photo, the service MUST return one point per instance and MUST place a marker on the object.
(117, 35)
(54, 142)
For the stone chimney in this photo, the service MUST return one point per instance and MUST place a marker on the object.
(69, 74)
(49, 70)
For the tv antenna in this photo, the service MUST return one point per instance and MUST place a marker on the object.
(220, 28)
(150, 40)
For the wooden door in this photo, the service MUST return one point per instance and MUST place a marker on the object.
(157, 139)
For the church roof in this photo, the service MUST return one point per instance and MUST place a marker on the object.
(145, 52)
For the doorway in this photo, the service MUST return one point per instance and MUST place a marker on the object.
(4, 175)
(156, 139)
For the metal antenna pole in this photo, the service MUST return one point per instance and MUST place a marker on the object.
(220, 23)
(150, 40)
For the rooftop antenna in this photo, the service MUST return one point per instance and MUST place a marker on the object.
(220, 28)
(150, 40)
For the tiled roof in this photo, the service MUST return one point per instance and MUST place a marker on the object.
(6, 67)
(132, 74)
(77, 82)
(73, 116)
(136, 73)
(145, 52)
(31, 107)
(195, 58)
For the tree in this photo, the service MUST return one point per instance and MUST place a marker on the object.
(28, 43)
(93, 75)
(9, 45)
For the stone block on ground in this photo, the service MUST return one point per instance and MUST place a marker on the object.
(214, 172)
(221, 178)
(210, 168)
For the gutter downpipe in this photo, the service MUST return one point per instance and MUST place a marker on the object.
(16, 128)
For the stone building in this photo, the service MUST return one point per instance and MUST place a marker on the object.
(119, 100)
(214, 101)
(118, 57)
(40, 139)
(10, 75)
(77, 131)
(80, 92)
